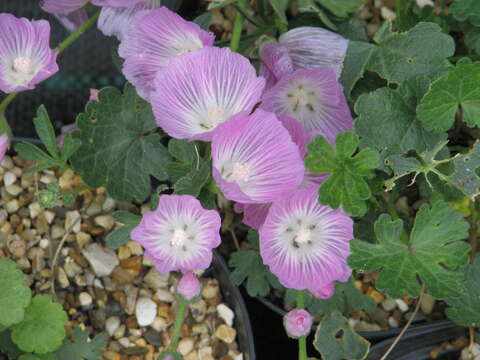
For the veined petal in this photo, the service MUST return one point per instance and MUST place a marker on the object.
(73, 20)
(254, 159)
(62, 6)
(200, 90)
(306, 244)
(156, 36)
(313, 97)
(25, 55)
(179, 234)
(276, 62)
(116, 21)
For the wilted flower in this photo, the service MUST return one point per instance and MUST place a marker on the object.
(298, 323)
(302, 48)
(25, 55)
(189, 286)
(313, 97)
(155, 37)
(254, 159)
(179, 234)
(304, 243)
(202, 89)
(3, 146)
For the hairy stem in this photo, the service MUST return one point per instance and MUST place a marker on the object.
(179, 317)
(302, 342)
(237, 27)
(407, 325)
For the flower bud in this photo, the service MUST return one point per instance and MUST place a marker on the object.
(189, 286)
(3, 146)
(297, 323)
(325, 292)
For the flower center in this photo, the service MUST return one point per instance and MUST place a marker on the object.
(22, 64)
(301, 98)
(215, 114)
(303, 236)
(241, 172)
(178, 239)
(184, 51)
(300, 321)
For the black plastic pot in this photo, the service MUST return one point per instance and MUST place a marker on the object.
(369, 335)
(418, 342)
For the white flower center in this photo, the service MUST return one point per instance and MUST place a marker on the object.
(303, 236)
(302, 98)
(178, 239)
(22, 64)
(184, 51)
(215, 114)
(241, 172)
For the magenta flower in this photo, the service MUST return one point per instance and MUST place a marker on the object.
(200, 90)
(254, 160)
(313, 97)
(155, 37)
(298, 323)
(62, 6)
(253, 214)
(305, 244)
(189, 286)
(25, 55)
(4, 141)
(179, 234)
(302, 48)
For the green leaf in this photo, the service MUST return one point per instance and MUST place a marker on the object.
(216, 4)
(459, 88)
(44, 129)
(464, 309)
(248, 265)
(464, 10)
(120, 148)
(336, 340)
(7, 346)
(308, 6)
(42, 330)
(69, 147)
(343, 8)
(50, 356)
(465, 174)
(182, 150)
(14, 296)
(280, 7)
(204, 20)
(121, 236)
(346, 185)
(33, 153)
(193, 182)
(421, 50)
(434, 252)
(356, 60)
(81, 348)
(387, 119)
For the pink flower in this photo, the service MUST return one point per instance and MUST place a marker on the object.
(306, 244)
(298, 323)
(94, 94)
(179, 234)
(254, 159)
(4, 143)
(25, 55)
(189, 286)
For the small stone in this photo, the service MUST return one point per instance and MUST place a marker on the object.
(102, 261)
(85, 299)
(389, 304)
(402, 305)
(192, 355)
(120, 332)
(131, 323)
(159, 324)
(380, 316)
(83, 239)
(165, 296)
(210, 290)
(145, 311)
(17, 247)
(375, 295)
(125, 342)
(185, 345)
(62, 278)
(198, 309)
(108, 205)
(427, 303)
(199, 329)
(12, 206)
(135, 247)
(57, 232)
(156, 280)
(105, 221)
(131, 293)
(44, 243)
(13, 189)
(73, 221)
(112, 324)
(226, 314)
(112, 355)
(35, 209)
(226, 333)
(387, 13)
(71, 268)
(392, 322)
(365, 326)
(124, 252)
(122, 276)
(153, 337)
(9, 178)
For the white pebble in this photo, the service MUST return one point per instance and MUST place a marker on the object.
(392, 322)
(226, 314)
(402, 305)
(387, 14)
(145, 311)
(185, 346)
(112, 324)
(125, 342)
(85, 299)
(9, 178)
(44, 243)
(165, 296)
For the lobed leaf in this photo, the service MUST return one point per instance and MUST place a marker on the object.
(81, 348)
(44, 129)
(465, 174)
(466, 10)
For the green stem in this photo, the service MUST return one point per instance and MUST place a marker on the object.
(237, 27)
(65, 43)
(77, 33)
(178, 323)
(302, 342)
